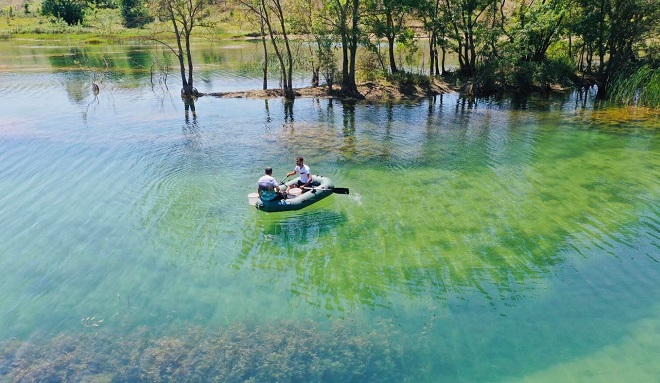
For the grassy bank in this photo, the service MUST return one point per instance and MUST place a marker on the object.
(100, 25)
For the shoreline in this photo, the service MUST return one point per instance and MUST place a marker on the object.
(379, 92)
(371, 91)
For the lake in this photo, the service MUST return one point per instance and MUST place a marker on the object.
(507, 239)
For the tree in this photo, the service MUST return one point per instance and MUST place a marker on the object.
(430, 12)
(134, 13)
(583, 24)
(345, 24)
(326, 58)
(467, 25)
(71, 11)
(184, 15)
(303, 16)
(621, 26)
(256, 10)
(272, 20)
(535, 26)
(386, 18)
(278, 31)
(631, 22)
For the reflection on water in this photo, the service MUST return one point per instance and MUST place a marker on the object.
(502, 239)
(300, 228)
(189, 104)
(289, 242)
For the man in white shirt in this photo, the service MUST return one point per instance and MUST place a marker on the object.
(305, 174)
(268, 186)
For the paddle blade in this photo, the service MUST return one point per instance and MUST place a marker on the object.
(340, 190)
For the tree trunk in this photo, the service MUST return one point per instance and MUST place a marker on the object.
(433, 54)
(390, 41)
(315, 76)
(179, 54)
(191, 89)
(355, 32)
(265, 48)
(601, 39)
(289, 93)
(349, 41)
(343, 34)
(444, 57)
(286, 67)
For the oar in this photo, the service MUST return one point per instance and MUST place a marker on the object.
(332, 189)
(283, 184)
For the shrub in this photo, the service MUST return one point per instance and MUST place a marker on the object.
(488, 79)
(523, 75)
(406, 79)
(134, 13)
(369, 66)
(558, 70)
(71, 11)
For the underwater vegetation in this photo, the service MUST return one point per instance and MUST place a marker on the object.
(276, 352)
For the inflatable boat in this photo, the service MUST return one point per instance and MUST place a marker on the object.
(321, 187)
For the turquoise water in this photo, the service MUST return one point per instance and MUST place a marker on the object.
(499, 240)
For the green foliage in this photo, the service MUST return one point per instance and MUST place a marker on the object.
(637, 86)
(489, 78)
(112, 4)
(523, 76)
(370, 65)
(615, 32)
(407, 46)
(326, 56)
(279, 352)
(406, 79)
(533, 28)
(559, 71)
(468, 32)
(134, 13)
(71, 11)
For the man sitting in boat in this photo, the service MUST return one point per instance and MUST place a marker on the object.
(305, 180)
(268, 187)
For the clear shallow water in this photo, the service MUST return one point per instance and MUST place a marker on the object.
(503, 240)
